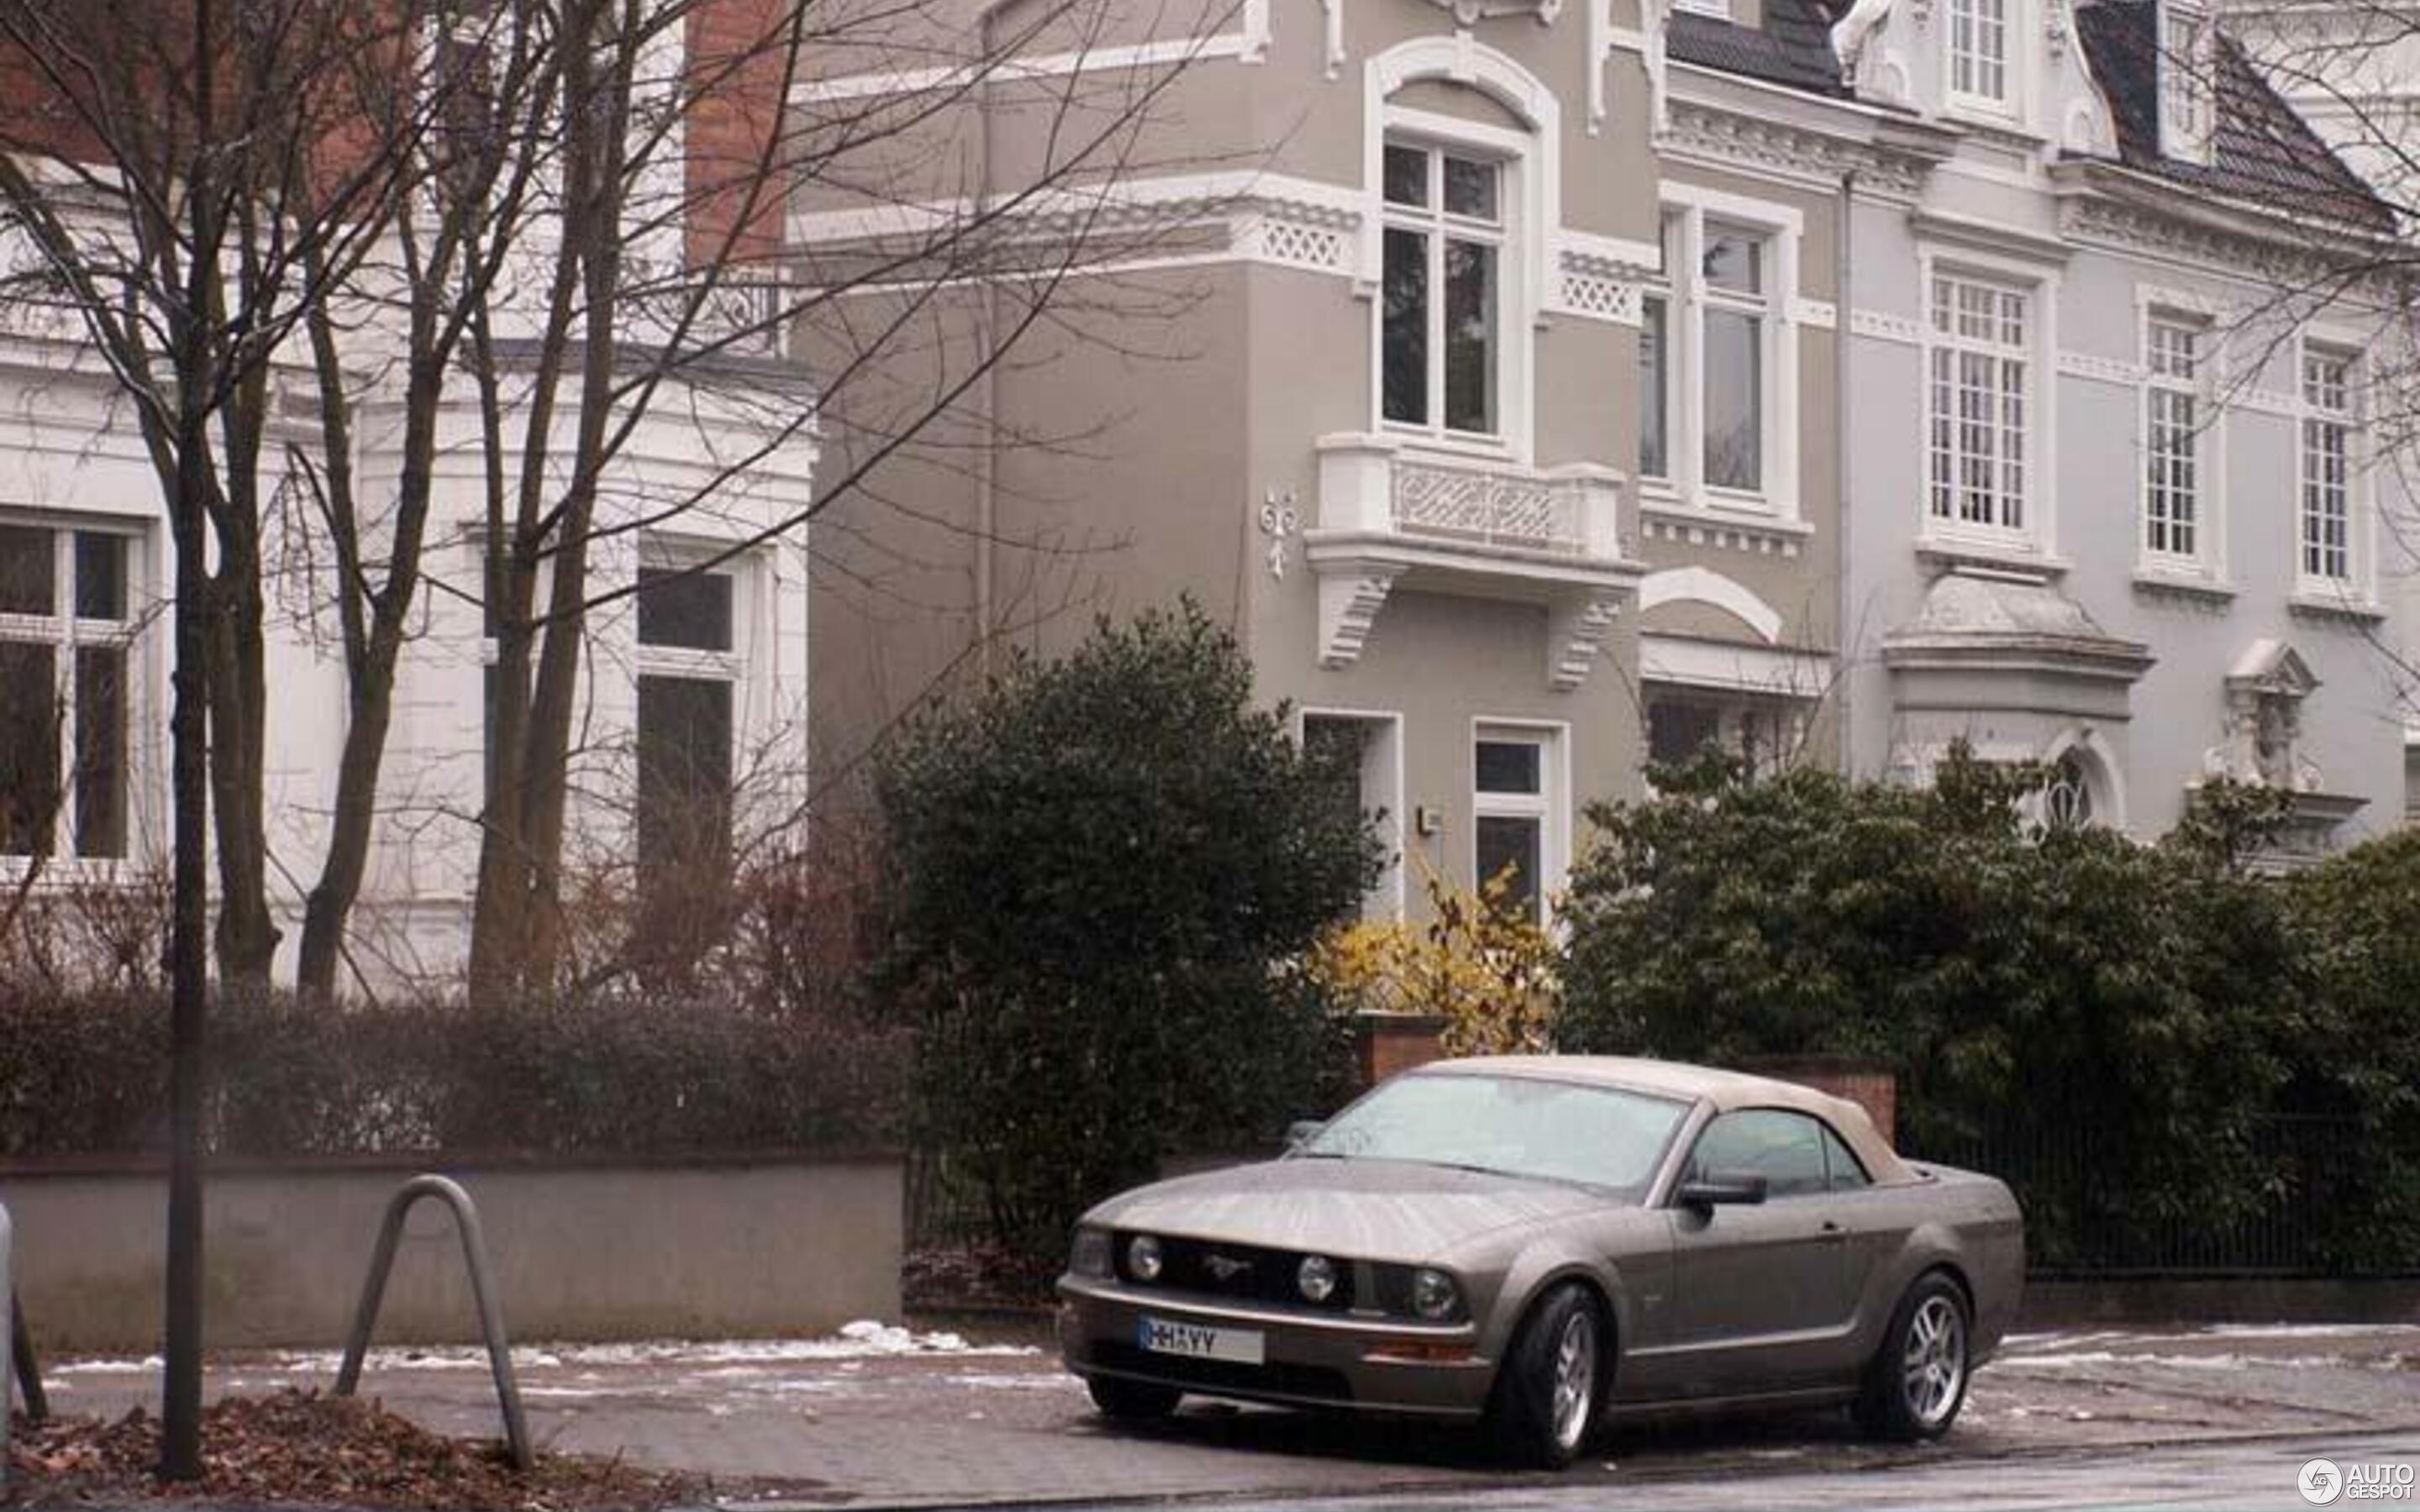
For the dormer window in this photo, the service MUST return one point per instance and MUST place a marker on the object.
(1980, 73)
(2188, 56)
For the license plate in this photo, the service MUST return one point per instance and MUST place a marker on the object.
(1199, 1341)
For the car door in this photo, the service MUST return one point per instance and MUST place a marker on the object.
(1759, 1291)
(1875, 1222)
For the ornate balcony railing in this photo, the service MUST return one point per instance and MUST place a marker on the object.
(1490, 505)
(1494, 529)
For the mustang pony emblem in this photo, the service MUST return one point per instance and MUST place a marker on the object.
(1225, 1266)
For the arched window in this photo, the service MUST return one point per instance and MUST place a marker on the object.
(2067, 802)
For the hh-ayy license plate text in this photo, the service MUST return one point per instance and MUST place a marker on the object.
(1199, 1341)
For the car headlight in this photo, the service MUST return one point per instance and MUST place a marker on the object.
(1091, 1255)
(1316, 1276)
(1434, 1294)
(1144, 1258)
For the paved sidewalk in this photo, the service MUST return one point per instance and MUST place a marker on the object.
(891, 1418)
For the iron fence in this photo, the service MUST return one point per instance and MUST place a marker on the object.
(2303, 1194)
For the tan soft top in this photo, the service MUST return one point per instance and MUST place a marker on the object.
(1726, 1090)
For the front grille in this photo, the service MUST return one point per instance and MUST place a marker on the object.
(1245, 1271)
(1311, 1383)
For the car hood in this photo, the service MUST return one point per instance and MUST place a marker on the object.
(1372, 1208)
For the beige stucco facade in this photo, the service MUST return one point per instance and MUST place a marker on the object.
(1209, 412)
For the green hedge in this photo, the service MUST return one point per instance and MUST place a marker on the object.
(86, 1073)
(2144, 1036)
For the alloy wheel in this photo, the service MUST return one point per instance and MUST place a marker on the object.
(1935, 1361)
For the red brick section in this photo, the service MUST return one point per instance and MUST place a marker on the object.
(1385, 1044)
(1875, 1088)
(738, 64)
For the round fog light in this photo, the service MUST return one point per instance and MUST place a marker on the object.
(1317, 1278)
(1143, 1257)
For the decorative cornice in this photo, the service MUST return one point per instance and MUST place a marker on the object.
(1878, 326)
(1702, 129)
(2100, 369)
(1683, 526)
(2131, 212)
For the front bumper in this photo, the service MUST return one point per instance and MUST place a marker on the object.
(1312, 1360)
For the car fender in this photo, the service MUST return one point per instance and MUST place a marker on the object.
(1548, 1261)
(1930, 1245)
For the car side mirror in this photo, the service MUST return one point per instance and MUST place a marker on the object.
(1719, 1188)
(1303, 1131)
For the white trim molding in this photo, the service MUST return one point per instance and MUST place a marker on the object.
(1702, 585)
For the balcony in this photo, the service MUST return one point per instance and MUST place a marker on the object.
(1479, 528)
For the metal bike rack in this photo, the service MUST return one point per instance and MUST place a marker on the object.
(8, 1306)
(483, 1291)
(22, 1368)
(29, 1370)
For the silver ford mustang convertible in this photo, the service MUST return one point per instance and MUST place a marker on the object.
(1536, 1243)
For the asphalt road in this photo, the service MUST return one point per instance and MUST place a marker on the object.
(2220, 1417)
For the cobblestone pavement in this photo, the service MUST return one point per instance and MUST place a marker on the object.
(891, 1418)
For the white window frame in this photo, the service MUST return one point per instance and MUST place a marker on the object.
(1550, 806)
(2200, 389)
(67, 632)
(1436, 226)
(2309, 415)
(1517, 241)
(1382, 775)
(732, 666)
(1687, 298)
(2034, 536)
(2015, 36)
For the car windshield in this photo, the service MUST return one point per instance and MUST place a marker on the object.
(1517, 1125)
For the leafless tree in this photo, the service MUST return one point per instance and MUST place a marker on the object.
(564, 218)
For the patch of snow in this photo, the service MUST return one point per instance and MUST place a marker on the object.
(2174, 1362)
(1052, 1381)
(2306, 1331)
(108, 1368)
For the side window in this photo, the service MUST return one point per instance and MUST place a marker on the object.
(1786, 1149)
(1847, 1174)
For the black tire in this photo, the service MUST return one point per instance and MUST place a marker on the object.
(1132, 1402)
(1544, 1402)
(1917, 1381)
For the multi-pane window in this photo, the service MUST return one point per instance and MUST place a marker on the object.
(1439, 320)
(1513, 805)
(1978, 50)
(1731, 278)
(684, 724)
(1975, 411)
(1703, 344)
(2327, 465)
(64, 630)
(2172, 358)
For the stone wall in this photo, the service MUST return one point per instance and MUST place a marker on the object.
(581, 1251)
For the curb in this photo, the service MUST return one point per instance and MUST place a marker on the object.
(1485, 1483)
